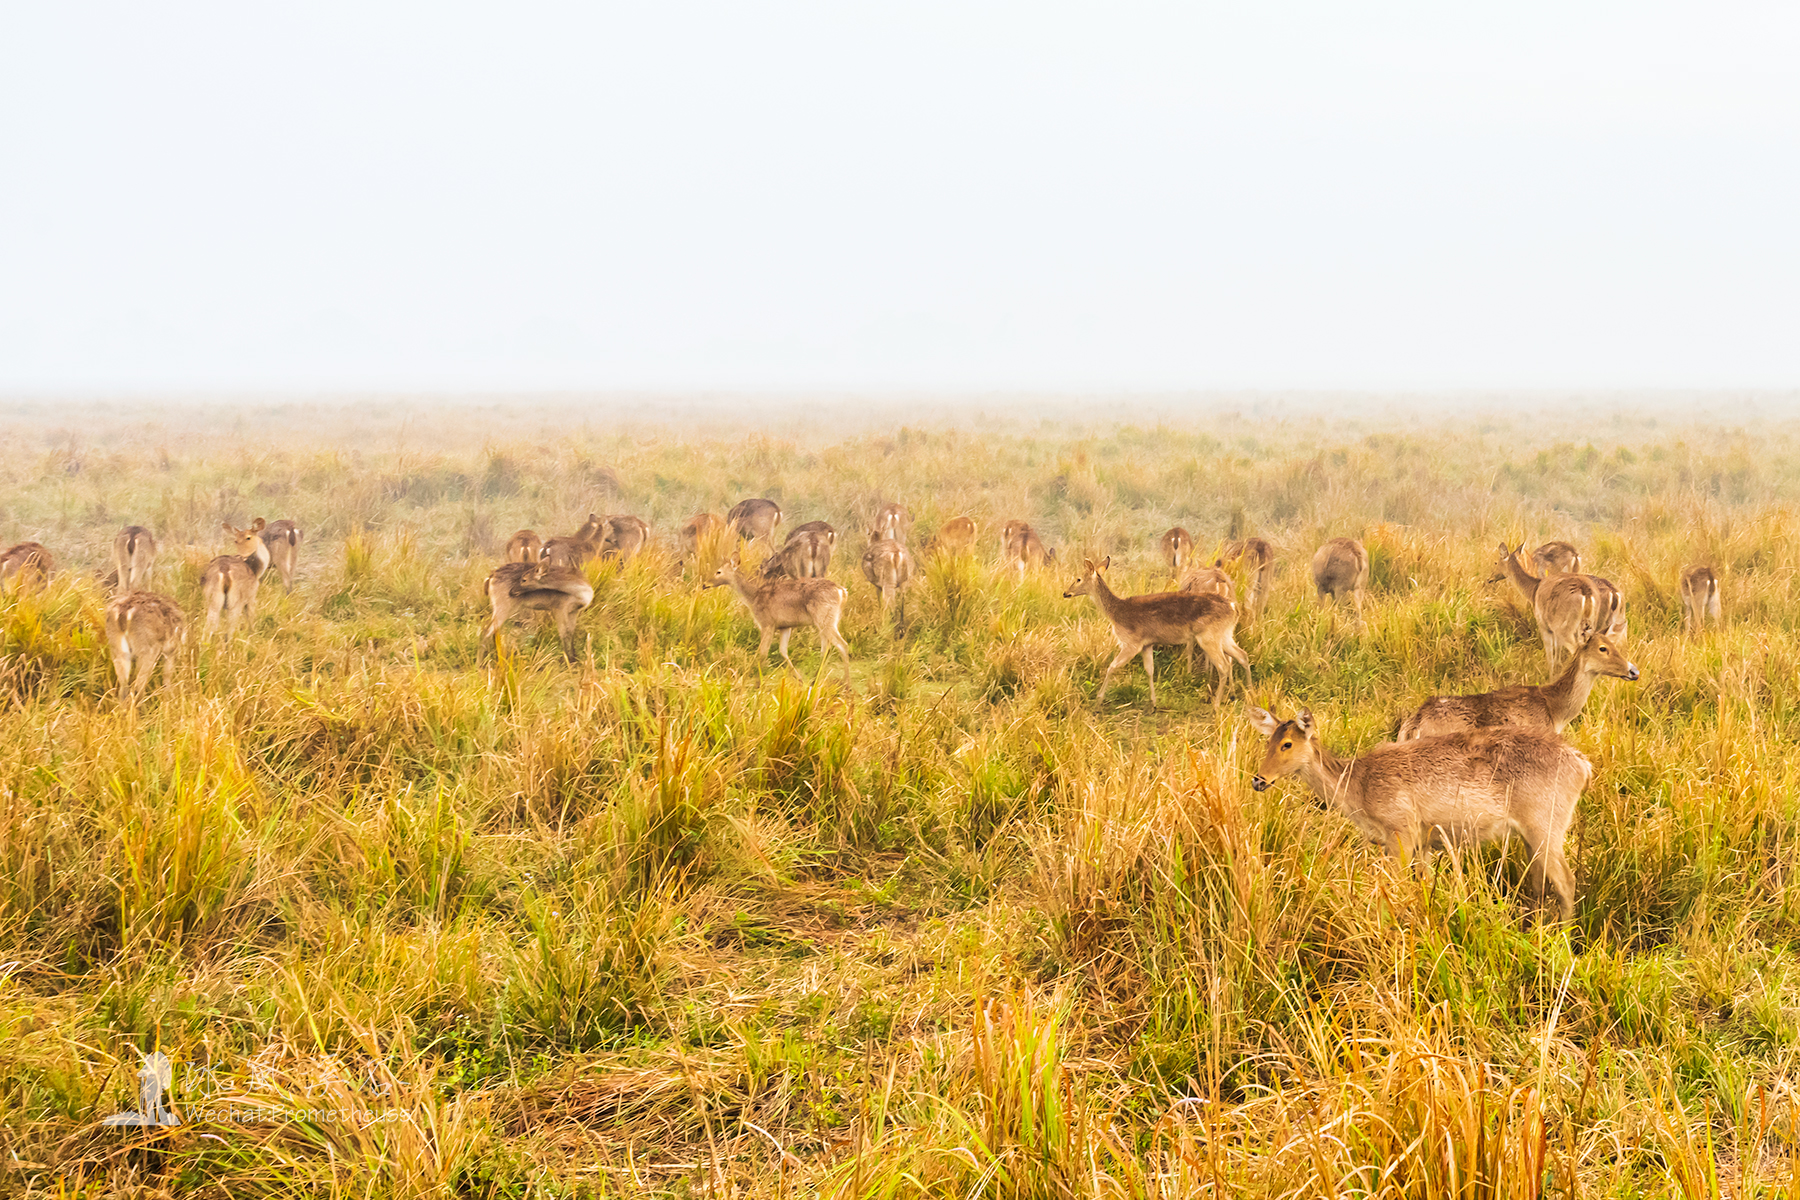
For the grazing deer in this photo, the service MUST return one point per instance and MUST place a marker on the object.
(1142, 623)
(892, 521)
(1342, 565)
(515, 589)
(134, 557)
(955, 536)
(1021, 548)
(1209, 581)
(1542, 706)
(754, 520)
(1459, 790)
(1699, 597)
(27, 561)
(1261, 557)
(283, 540)
(568, 553)
(1177, 549)
(229, 583)
(888, 566)
(624, 537)
(143, 628)
(524, 546)
(1568, 608)
(1556, 558)
(700, 529)
(805, 555)
(784, 605)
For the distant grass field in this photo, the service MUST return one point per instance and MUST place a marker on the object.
(669, 921)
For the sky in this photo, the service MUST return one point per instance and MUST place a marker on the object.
(965, 196)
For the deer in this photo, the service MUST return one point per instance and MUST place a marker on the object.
(1439, 792)
(1341, 566)
(283, 540)
(1556, 558)
(1020, 548)
(515, 589)
(1548, 706)
(784, 605)
(755, 520)
(624, 537)
(27, 561)
(805, 555)
(134, 557)
(955, 536)
(1699, 588)
(1209, 581)
(142, 629)
(699, 530)
(893, 521)
(1568, 608)
(525, 546)
(1177, 549)
(229, 583)
(1261, 557)
(572, 551)
(887, 565)
(1142, 623)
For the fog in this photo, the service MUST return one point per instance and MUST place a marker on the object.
(1162, 201)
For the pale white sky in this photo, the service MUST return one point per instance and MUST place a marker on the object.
(948, 196)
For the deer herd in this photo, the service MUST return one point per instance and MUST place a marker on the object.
(1460, 770)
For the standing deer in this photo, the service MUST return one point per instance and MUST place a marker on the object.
(1177, 549)
(1021, 548)
(892, 521)
(784, 605)
(515, 589)
(1556, 558)
(134, 557)
(1542, 706)
(805, 555)
(27, 561)
(1459, 790)
(1142, 623)
(525, 546)
(283, 540)
(1568, 608)
(701, 529)
(755, 520)
(1261, 557)
(1699, 597)
(955, 536)
(229, 583)
(1342, 566)
(888, 566)
(624, 537)
(1209, 581)
(143, 628)
(568, 553)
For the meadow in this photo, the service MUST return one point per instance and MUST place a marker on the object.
(669, 921)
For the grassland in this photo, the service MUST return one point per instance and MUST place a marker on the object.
(668, 921)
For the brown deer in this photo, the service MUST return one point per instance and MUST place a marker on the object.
(1142, 623)
(568, 553)
(1209, 581)
(524, 546)
(1340, 567)
(624, 537)
(1021, 548)
(1699, 597)
(955, 536)
(27, 562)
(888, 566)
(1177, 549)
(755, 520)
(699, 530)
(892, 520)
(1541, 706)
(142, 629)
(1568, 608)
(1459, 790)
(134, 557)
(784, 605)
(283, 540)
(516, 589)
(1556, 558)
(1260, 556)
(805, 555)
(229, 583)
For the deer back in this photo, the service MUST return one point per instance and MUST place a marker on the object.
(1341, 564)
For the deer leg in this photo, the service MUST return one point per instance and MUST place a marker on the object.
(1222, 666)
(785, 634)
(762, 647)
(146, 667)
(829, 636)
(1150, 670)
(1125, 655)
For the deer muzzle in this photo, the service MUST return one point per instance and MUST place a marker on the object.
(1259, 783)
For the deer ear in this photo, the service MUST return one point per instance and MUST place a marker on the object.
(1304, 722)
(227, 526)
(1088, 563)
(258, 525)
(1617, 630)
(1106, 563)
(1263, 722)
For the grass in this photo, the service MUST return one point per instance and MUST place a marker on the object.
(672, 921)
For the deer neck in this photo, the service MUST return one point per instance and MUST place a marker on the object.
(1565, 695)
(258, 559)
(1522, 578)
(1329, 777)
(1104, 597)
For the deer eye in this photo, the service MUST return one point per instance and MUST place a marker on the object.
(1287, 745)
